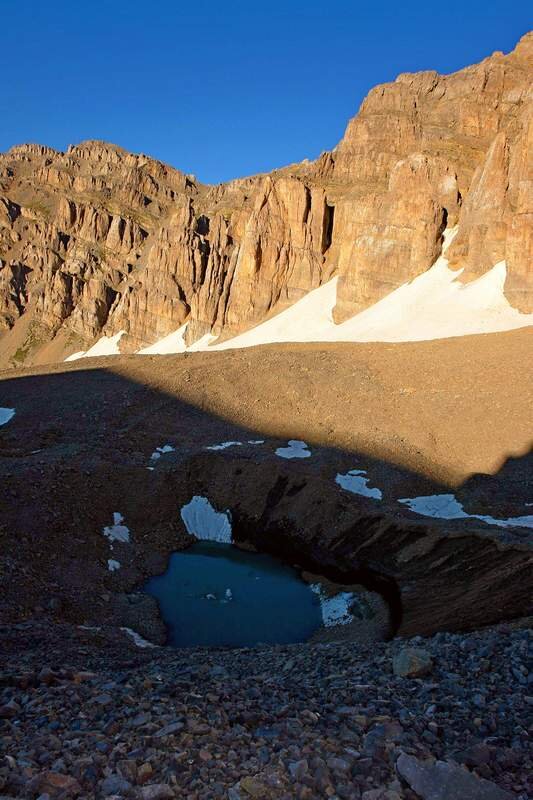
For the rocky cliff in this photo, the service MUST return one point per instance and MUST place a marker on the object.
(97, 240)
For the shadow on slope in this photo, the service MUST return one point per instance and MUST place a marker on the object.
(79, 448)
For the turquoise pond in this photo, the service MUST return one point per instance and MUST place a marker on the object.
(217, 595)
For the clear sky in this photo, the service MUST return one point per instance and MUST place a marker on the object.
(225, 88)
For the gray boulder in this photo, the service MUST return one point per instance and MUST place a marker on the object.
(442, 780)
(412, 662)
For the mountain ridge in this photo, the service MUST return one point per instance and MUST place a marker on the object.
(97, 240)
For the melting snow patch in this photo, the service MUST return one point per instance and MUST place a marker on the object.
(6, 414)
(354, 482)
(173, 343)
(105, 346)
(434, 305)
(446, 506)
(117, 532)
(137, 638)
(159, 451)
(113, 565)
(262, 441)
(443, 506)
(204, 522)
(294, 449)
(336, 609)
(223, 445)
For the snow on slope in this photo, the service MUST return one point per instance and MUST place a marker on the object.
(106, 346)
(446, 506)
(434, 305)
(173, 343)
(354, 481)
(6, 414)
(206, 523)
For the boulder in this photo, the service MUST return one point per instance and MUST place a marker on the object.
(412, 662)
(443, 780)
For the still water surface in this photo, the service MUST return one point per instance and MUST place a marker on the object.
(215, 594)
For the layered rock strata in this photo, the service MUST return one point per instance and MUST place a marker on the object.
(97, 240)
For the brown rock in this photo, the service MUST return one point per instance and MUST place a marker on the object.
(55, 784)
(144, 773)
(112, 241)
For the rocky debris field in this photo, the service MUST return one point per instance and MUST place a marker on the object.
(86, 716)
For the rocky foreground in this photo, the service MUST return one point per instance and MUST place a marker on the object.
(87, 714)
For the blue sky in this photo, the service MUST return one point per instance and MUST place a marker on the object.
(225, 89)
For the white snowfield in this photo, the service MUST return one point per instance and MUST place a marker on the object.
(106, 346)
(173, 343)
(6, 414)
(446, 506)
(295, 449)
(117, 532)
(354, 481)
(335, 610)
(434, 305)
(223, 445)
(204, 522)
(438, 506)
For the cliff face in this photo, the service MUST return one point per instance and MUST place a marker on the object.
(98, 240)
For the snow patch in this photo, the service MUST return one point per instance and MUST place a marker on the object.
(105, 346)
(173, 343)
(204, 522)
(336, 609)
(159, 451)
(294, 449)
(202, 344)
(223, 445)
(354, 482)
(117, 532)
(137, 638)
(6, 414)
(262, 441)
(113, 565)
(434, 305)
(446, 506)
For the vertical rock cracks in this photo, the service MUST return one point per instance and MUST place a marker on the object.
(97, 240)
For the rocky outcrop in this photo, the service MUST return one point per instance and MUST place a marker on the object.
(102, 240)
(412, 418)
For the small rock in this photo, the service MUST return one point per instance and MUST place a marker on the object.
(144, 772)
(170, 729)
(254, 787)
(55, 784)
(115, 784)
(157, 791)
(412, 662)
(9, 710)
(128, 769)
(298, 769)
